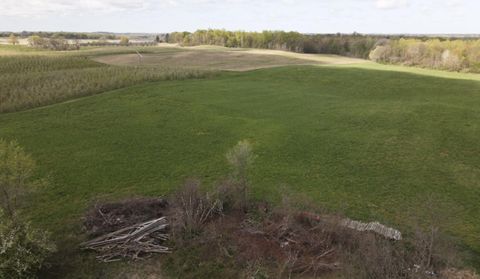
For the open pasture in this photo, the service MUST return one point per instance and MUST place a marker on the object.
(372, 143)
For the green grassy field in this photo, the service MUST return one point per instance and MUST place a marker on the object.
(370, 142)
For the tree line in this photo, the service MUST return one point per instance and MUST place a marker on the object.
(452, 55)
(66, 35)
(455, 54)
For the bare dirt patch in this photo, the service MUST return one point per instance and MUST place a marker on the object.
(215, 58)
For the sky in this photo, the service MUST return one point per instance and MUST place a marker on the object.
(307, 16)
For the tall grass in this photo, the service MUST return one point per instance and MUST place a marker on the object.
(33, 81)
(100, 51)
(29, 64)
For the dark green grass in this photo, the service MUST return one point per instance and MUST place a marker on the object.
(374, 144)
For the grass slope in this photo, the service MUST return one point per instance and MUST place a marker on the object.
(373, 143)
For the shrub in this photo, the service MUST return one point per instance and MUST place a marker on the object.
(240, 157)
(16, 175)
(124, 40)
(23, 250)
(193, 208)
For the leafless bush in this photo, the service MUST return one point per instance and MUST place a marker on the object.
(230, 195)
(371, 256)
(453, 273)
(192, 208)
(240, 157)
(423, 255)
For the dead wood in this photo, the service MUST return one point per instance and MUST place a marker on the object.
(133, 242)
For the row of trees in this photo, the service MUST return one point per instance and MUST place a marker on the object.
(355, 45)
(55, 43)
(66, 35)
(60, 43)
(440, 53)
(452, 55)
(291, 41)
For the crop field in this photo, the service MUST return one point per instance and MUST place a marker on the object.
(30, 81)
(220, 58)
(372, 141)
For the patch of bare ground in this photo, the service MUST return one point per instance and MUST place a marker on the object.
(216, 58)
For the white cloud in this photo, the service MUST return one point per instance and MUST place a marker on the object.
(52, 8)
(455, 3)
(36, 8)
(391, 4)
(64, 7)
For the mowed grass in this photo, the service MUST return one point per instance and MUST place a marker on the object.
(374, 144)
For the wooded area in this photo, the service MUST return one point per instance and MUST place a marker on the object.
(455, 54)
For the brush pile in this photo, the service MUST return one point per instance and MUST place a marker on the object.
(130, 229)
(133, 242)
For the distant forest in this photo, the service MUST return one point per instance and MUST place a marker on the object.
(64, 35)
(453, 54)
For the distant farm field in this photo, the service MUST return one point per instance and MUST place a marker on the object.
(372, 141)
(219, 58)
(45, 78)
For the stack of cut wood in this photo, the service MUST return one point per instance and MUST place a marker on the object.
(376, 227)
(133, 242)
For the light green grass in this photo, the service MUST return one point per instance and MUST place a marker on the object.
(415, 70)
(372, 143)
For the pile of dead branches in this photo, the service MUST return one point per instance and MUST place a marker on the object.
(105, 218)
(133, 242)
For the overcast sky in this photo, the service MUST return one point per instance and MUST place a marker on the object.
(310, 16)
